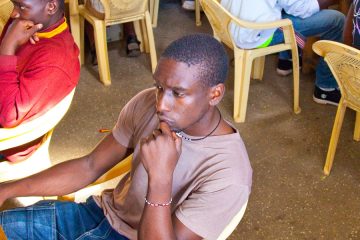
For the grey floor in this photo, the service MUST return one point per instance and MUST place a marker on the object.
(290, 197)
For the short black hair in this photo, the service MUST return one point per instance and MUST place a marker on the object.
(202, 50)
(61, 5)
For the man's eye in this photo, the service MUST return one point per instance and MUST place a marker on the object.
(22, 7)
(158, 87)
(178, 94)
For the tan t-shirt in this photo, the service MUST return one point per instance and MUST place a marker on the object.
(212, 179)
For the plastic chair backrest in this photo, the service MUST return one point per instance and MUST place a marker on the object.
(6, 8)
(28, 131)
(344, 63)
(124, 8)
(219, 19)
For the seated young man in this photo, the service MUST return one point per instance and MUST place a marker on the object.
(39, 65)
(190, 170)
(309, 18)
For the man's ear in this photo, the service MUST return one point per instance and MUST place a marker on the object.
(216, 94)
(52, 7)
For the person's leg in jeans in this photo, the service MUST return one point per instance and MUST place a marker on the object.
(327, 24)
(58, 220)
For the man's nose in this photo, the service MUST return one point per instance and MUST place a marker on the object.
(163, 103)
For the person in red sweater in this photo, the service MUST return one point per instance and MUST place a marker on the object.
(39, 65)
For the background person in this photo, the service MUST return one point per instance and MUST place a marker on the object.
(39, 65)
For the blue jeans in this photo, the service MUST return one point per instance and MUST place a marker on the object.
(326, 24)
(50, 220)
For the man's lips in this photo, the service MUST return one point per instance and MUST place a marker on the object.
(166, 120)
(169, 122)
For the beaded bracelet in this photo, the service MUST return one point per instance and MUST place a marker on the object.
(158, 204)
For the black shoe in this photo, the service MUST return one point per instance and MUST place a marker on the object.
(132, 47)
(327, 97)
(284, 66)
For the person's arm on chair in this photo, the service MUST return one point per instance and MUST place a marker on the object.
(69, 176)
(323, 4)
(349, 27)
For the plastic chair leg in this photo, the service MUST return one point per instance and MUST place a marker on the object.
(150, 35)
(82, 40)
(357, 127)
(139, 34)
(296, 76)
(75, 23)
(102, 52)
(334, 137)
(241, 85)
(154, 11)
(197, 13)
(257, 70)
(144, 31)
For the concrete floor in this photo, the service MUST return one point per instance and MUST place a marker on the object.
(290, 197)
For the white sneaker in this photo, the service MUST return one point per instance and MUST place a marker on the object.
(188, 5)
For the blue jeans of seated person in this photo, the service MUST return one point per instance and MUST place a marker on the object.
(55, 220)
(328, 25)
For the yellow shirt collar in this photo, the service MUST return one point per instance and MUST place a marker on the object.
(59, 29)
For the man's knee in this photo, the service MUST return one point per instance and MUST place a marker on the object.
(335, 18)
(33, 222)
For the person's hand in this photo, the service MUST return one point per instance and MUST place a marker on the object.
(160, 152)
(18, 33)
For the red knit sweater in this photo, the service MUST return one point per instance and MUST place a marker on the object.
(36, 78)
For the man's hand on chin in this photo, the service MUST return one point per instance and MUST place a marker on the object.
(18, 33)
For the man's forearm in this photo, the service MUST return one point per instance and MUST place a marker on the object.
(60, 179)
(156, 221)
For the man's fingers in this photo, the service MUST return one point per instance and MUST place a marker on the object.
(39, 26)
(32, 41)
(36, 38)
(178, 142)
(33, 29)
(164, 127)
(157, 132)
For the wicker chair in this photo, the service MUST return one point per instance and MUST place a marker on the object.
(344, 63)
